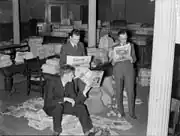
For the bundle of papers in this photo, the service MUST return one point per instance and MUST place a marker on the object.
(51, 66)
(5, 60)
(122, 53)
(35, 40)
(144, 77)
(20, 56)
(91, 78)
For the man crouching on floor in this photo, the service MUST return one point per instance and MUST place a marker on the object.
(61, 98)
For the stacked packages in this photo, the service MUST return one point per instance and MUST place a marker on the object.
(144, 76)
(20, 56)
(51, 66)
(35, 44)
(5, 60)
(52, 49)
(43, 50)
(100, 56)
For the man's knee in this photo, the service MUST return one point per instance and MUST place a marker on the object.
(81, 108)
(58, 109)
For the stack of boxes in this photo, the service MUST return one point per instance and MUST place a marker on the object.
(43, 50)
(144, 76)
(36, 47)
(5, 60)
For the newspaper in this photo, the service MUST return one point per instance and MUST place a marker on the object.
(78, 60)
(92, 78)
(82, 63)
(122, 53)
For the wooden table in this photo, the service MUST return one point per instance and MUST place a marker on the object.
(10, 71)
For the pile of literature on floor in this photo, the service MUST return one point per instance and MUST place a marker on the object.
(144, 76)
(39, 120)
(5, 60)
(51, 66)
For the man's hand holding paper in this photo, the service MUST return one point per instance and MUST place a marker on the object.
(121, 53)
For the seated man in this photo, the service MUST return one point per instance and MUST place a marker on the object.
(61, 98)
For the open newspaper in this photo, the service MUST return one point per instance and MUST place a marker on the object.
(122, 53)
(89, 77)
(82, 63)
(79, 60)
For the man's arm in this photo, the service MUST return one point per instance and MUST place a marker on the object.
(82, 96)
(133, 55)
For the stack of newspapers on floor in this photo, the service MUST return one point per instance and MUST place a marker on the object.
(39, 120)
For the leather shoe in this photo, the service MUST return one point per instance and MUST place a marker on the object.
(133, 116)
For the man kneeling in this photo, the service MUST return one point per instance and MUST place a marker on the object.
(61, 98)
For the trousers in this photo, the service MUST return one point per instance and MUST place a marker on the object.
(124, 75)
(80, 111)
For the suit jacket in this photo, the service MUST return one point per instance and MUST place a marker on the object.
(68, 49)
(55, 93)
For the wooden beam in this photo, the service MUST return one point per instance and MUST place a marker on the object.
(16, 23)
(92, 24)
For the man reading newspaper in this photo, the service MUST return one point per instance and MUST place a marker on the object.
(123, 56)
(122, 53)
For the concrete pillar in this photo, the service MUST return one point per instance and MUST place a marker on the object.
(92, 24)
(162, 67)
(178, 21)
(16, 25)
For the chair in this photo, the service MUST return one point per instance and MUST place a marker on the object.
(34, 75)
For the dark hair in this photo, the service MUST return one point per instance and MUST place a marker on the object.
(74, 32)
(66, 69)
(122, 32)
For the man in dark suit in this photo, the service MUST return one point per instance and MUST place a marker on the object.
(61, 98)
(73, 47)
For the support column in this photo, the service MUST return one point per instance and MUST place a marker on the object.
(92, 23)
(16, 25)
(162, 67)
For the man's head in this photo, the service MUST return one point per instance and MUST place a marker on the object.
(123, 36)
(67, 72)
(74, 36)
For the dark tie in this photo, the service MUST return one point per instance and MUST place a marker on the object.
(75, 47)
